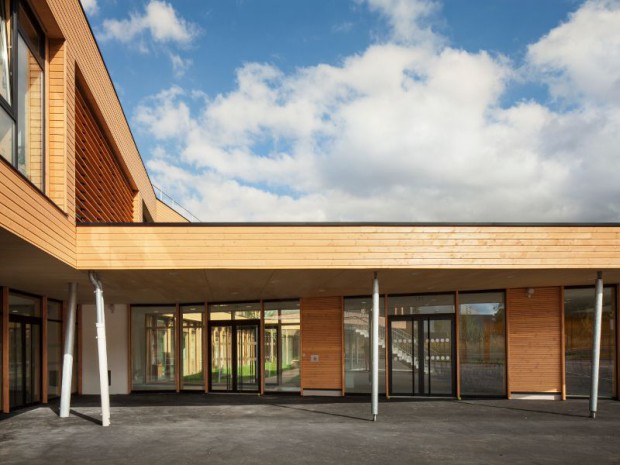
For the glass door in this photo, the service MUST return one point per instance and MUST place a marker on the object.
(24, 362)
(421, 355)
(234, 357)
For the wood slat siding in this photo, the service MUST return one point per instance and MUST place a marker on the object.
(352, 247)
(321, 322)
(534, 337)
(56, 123)
(103, 193)
(25, 212)
(81, 53)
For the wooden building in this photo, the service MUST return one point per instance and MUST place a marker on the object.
(466, 310)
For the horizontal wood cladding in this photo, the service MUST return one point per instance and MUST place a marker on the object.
(321, 336)
(25, 212)
(363, 247)
(103, 193)
(535, 332)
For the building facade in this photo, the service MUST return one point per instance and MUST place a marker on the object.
(496, 310)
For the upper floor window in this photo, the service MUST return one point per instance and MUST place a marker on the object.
(22, 80)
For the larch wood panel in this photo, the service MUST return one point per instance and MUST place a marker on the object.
(321, 334)
(535, 363)
(25, 212)
(103, 193)
(83, 54)
(166, 214)
(56, 123)
(361, 247)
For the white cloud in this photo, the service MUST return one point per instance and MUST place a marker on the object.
(581, 58)
(409, 19)
(404, 131)
(179, 65)
(90, 6)
(159, 19)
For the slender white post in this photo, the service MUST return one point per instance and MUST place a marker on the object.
(102, 350)
(374, 340)
(67, 363)
(596, 345)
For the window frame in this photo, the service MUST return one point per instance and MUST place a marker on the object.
(12, 109)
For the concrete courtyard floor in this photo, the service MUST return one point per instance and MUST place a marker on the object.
(242, 429)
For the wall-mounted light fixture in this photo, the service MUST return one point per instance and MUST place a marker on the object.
(530, 292)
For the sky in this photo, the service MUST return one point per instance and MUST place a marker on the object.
(372, 110)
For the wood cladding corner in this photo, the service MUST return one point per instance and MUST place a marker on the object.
(321, 319)
(535, 333)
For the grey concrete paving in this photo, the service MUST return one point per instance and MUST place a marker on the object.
(233, 429)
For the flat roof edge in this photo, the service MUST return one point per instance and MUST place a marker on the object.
(354, 224)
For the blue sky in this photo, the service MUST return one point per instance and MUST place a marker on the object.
(399, 110)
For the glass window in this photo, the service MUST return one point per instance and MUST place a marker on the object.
(482, 343)
(421, 304)
(20, 304)
(5, 81)
(357, 330)
(192, 373)
(54, 357)
(30, 31)
(578, 328)
(54, 310)
(30, 115)
(236, 311)
(282, 346)
(153, 347)
(7, 131)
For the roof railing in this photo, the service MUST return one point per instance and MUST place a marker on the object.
(176, 206)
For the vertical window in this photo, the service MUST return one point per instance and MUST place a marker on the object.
(357, 330)
(153, 347)
(54, 347)
(282, 346)
(192, 374)
(482, 339)
(21, 74)
(578, 329)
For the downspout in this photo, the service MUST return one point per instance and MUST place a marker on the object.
(102, 350)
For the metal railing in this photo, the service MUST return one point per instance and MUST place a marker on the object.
(176, 206)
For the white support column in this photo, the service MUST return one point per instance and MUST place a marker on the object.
(375, 348)
(102, 350)
(596, 345)
(67, 364)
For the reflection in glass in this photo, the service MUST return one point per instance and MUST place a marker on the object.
(405, 362)
(421, 304)
(578, 327)
(7, 130)
(282, 346)
(247, 358)
(25, 305)
(153, 347)
(192, 374)
(5, 82)
(221, 358)
(30, 115)
(235, 311)
(482, 339)
(357, 330)
(438, 341)
(54, 357)
(24, 363)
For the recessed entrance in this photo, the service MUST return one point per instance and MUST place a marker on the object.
(421, 355)
(234, 356)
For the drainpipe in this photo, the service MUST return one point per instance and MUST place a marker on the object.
(67, 363)
(596, 345)
(101, 348)
(374, 340)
